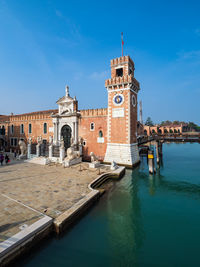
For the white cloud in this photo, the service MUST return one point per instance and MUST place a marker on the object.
(193, 54)
(197, 32)
(58, 14)
(99, 75)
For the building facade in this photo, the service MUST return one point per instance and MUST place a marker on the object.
(111, 133)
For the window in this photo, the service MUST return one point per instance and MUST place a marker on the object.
(100, 133)
(119, 72)
(45, 128)
(2, 130)
(84, 143)
(92, 126)
(133, 101)
(22, 128)
(13, 141)
(29, 128)
(12, 129)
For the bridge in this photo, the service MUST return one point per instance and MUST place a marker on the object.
(184, 137)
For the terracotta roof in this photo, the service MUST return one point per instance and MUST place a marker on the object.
(3, 118)
(49, 111)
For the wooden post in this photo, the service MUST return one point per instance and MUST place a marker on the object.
(157, 152)
(151, 161)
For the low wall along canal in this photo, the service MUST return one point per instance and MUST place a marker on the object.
(142, 220)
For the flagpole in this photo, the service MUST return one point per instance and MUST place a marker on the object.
(122, 42)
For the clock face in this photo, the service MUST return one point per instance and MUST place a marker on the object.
(118, 99)
(133, 101)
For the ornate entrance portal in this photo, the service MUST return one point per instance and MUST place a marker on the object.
(66, 133)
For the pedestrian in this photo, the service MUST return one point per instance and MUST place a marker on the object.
(15, 153)
(7, 159)
(1, 159)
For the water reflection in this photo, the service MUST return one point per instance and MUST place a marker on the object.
(126, 232)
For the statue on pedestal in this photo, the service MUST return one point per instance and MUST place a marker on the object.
(94, 161)
(23, 149)
(114, 166)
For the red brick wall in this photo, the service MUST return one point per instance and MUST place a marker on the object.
(99, 118)
(133, 119)
(37, 121)
(118, 129)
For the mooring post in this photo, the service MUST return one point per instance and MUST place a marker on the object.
(157, 152)
(151, 161)
(160, 148)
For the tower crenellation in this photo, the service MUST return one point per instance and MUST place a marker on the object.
(122, 74)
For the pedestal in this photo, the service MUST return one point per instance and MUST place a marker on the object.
(29, 151)
(67, 163)
(124, 154)
(37, 150)
(94, 165)
(81, 150)
(50, 151)
(62, 154)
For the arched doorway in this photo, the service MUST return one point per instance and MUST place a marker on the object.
(66, 133)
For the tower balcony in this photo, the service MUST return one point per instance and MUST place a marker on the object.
(122, 82)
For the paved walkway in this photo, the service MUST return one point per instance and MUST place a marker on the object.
(27, 191)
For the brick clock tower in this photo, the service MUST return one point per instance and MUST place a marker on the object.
(122, 113)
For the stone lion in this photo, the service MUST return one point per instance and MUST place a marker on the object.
(22, 147)
(93, 157)
(72, 154)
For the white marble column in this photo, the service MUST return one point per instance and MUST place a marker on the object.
(55, 133)
(76, 132)
(37, 150)
(73, 132)
(62, 154)
(29, 151)
(50, 151)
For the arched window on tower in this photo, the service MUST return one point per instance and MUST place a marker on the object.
(92, 126)
(100, 133)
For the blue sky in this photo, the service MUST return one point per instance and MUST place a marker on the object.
(46, 44)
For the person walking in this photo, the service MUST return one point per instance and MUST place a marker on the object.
(1, 159)
(7, 159)
(15, 153)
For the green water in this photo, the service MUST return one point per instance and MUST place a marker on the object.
(142, 220)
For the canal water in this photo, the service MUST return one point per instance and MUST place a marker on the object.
(142, 220)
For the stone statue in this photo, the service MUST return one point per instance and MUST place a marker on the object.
(50, 140)
(72, 142)
(29, 140)
(22, 147)
(94, 159)
(114, 166)
(67, 91)
(72, 154)
(80, 140)
(62, 143)
(39, 140)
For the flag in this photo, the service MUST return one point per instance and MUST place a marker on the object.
(122, 38)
